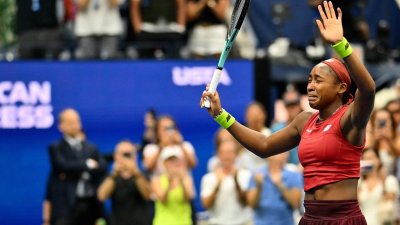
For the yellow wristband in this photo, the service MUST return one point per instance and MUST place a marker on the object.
(343, 48)
(224, 119)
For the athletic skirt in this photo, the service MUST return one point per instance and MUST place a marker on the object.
(345, 212)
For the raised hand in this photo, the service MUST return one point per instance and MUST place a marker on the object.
(214, 100)
(131, 166)
(276, 178)
(330, 27)
(220, 174)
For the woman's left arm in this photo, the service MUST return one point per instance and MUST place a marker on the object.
(332, 31)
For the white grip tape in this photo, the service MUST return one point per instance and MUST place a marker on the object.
(213, 86)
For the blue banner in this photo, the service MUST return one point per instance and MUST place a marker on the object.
(112, 98)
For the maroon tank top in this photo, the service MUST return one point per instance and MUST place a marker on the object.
(325, 154)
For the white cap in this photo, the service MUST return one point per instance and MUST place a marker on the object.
(171, 151)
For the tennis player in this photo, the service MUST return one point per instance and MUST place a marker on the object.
(330, 140)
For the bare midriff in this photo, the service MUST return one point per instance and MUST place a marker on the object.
(342, 190)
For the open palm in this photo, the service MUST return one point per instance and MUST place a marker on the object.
(331, 26)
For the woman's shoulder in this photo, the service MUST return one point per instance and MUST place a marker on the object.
(301, 119)
(306, 114)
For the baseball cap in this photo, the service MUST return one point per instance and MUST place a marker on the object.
(170, 151)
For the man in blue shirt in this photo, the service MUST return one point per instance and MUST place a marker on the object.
(275, 192)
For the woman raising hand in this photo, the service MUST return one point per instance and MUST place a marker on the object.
(330, 140)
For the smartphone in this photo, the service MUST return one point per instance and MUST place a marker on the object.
(382, 123)
(170, 129)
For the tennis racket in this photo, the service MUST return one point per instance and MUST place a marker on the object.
(238, 15)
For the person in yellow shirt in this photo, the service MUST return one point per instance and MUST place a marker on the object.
(173, 191)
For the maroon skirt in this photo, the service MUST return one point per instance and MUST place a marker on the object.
(332, 213)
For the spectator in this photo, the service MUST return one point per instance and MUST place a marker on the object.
(98, 27)
(221, 135)
(223, 190)
(387, 94)
(255, 119)
(149, 134)
(77, 169)
(173, 191)
(47, 206)
(291, 100)
(382, 138)
(169, 138)
(38, 29)
(393, 106)
(207, 36)
(159, 27)
(377, 192)
(127, 187)
(275, 192)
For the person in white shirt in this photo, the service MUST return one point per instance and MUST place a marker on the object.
(98, 27)
(223, 191)
(377, 192)
(169, 138)
(255, 119)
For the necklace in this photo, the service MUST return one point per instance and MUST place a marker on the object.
(319, 116)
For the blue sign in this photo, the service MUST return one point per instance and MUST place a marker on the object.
(112, 98)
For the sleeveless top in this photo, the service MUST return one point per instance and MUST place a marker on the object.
(154, 10)
(325, 154)
(176, 208)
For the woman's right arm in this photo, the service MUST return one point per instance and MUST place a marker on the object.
(256, 142)
(259, 144)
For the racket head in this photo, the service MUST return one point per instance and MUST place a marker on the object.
(238, 14)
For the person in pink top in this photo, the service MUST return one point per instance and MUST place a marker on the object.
(331, 139)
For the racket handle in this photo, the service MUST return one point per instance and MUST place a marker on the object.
(213, 86)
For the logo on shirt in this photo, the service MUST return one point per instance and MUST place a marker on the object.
(308, 130)
(327, 128)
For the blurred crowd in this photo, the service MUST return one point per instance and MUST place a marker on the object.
(171, 29)
(152, 183)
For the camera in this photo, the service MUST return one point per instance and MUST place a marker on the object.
(382, 123)
(366, 166)
(127, 155)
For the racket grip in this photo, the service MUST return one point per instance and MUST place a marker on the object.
(213, 86)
